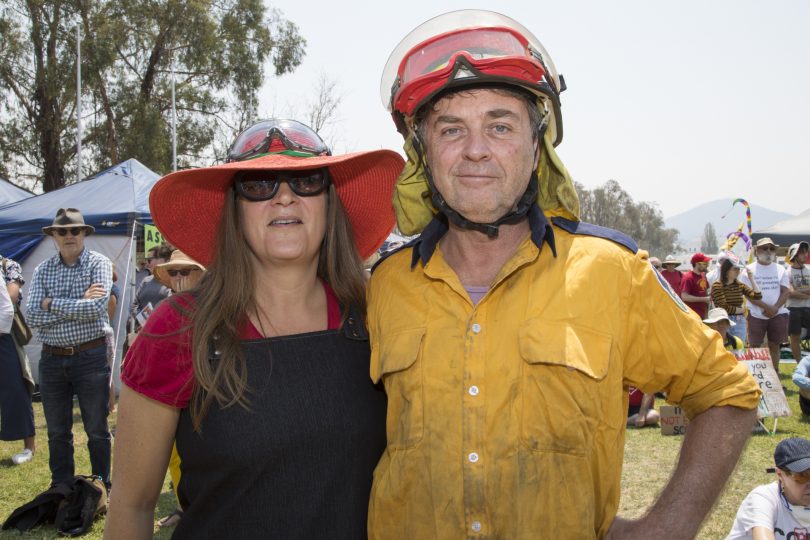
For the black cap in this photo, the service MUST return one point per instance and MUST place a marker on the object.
(793, 454)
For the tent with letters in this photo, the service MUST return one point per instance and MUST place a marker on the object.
(114, 201)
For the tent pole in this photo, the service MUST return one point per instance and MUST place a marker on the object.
(78, 101)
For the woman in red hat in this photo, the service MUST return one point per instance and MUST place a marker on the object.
(261, 372)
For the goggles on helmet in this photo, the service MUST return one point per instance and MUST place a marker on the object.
(274, 137)
(468, 47)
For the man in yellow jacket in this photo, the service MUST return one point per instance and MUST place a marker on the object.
(508, 333)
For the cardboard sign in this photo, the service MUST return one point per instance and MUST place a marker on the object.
(773, 402)
(151, 237)
(673, 420)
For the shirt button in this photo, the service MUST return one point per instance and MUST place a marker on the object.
(473, 390)
(473, 457)
(476, 526)
(476, 328)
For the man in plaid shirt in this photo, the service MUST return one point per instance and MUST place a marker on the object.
(67, 306)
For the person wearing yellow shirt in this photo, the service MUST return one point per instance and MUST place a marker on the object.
(508, 333)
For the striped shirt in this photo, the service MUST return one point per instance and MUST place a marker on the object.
(70, 319)
(730, 296)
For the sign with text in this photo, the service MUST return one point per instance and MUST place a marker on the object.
(673, 420)
(773, 402)
(151, 237)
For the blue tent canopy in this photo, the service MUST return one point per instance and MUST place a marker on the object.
(111, 201)
(10, 193)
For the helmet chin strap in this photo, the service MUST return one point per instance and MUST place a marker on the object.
(519, 211)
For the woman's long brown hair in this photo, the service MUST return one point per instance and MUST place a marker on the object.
(223, 302)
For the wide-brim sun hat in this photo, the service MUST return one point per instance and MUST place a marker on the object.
(68, 218)
(186, 205)
(177, 260)
(717, 315)
(794, 249)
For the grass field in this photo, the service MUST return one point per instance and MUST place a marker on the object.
(649, 459)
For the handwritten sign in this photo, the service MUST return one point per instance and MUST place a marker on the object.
(773, 402)
(673, 420)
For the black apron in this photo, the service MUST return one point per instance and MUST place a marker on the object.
(299, 463)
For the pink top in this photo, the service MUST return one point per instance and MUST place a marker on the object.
(159, 363)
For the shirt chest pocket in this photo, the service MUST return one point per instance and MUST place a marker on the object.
(74, 284)
(396, 363)
(563, 386)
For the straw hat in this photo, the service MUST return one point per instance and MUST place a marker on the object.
(718, 314)
(671, 260)
(187, 205)
(177, 260)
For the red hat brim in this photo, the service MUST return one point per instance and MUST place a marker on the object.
(186, 205)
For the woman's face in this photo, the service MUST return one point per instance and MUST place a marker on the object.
(733, 274)
(181, 282)
(285, 229)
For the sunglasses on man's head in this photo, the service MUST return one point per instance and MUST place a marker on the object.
(263, 185)
(183, 272)
(74, 231)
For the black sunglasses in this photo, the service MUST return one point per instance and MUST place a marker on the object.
(74, 231)
(263, 185)
(184, 272)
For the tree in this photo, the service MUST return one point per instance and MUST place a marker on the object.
(610, 206)
(218, 51)
(708, 242)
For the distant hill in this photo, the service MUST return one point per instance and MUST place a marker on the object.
(690, 224)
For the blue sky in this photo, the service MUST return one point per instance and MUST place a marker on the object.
(682, 102)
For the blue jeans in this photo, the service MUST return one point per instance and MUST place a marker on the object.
(740, 328)
(87, 375)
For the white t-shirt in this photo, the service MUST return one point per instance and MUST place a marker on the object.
(764, 507)
(799, 279)
(770, 278)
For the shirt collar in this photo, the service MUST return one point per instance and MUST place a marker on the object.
(425, 245)
(83, 256)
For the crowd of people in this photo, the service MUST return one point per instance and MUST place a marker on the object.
(477, 385)
(764, 303)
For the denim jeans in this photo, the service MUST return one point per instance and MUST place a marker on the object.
(740, 328)
(87, 375)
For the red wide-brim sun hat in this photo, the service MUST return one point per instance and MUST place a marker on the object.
(186, 205)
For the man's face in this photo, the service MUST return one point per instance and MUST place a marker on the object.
(701, 267)
(801, 256)
(152, 260)
(796, 486)
(72, 243)
(481, 151)
(766, 254)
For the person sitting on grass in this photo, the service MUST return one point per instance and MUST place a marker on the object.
(780, 509)
(640, 411)
(719, 321)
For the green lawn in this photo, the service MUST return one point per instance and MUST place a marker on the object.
(649, 459)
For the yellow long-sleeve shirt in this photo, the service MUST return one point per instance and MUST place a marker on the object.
(506, 419)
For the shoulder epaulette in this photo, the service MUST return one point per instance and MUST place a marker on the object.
(589, 229)
(387, 254)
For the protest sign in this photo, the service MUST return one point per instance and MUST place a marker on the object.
(151, 237)
(673, 420)
(773, 402)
